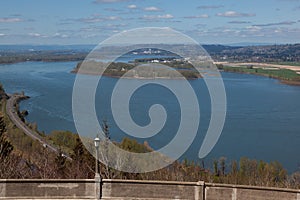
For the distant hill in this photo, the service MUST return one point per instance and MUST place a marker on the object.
(217, 49)
(244, 44)
(269, 53)
(54, 53)
(31, 48)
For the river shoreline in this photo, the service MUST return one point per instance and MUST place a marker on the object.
(139, 78)
(281, 80)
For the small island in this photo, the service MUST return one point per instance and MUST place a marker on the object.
(151, 70)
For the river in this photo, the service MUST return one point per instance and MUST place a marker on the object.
(262, 120)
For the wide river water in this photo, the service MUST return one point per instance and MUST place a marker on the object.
(262, 122)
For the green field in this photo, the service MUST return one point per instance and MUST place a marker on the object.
(281, 74)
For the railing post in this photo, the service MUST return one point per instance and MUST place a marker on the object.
(98, 187)
(199, 190)
(203, 191)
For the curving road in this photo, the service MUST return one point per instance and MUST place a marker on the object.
(12, 113)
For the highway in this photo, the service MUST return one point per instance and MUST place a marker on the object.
(12, 113)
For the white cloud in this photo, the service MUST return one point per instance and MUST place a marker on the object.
(112, 18)
(152, 9)
(197, 16)
(10, 20)
(253, 28)
(34, 34)
(91, 20)
(167, 16)
(156, 17)
(59, 35)
(97, 18)
(2, 34)
(253, 32)
(48, 36)
(132, 6)
(270, 32)
(277, 23)
(235, 14)
(37, 35)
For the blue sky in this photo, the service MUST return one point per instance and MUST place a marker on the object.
(91, 21)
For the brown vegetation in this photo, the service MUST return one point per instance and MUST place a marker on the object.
(39, 162)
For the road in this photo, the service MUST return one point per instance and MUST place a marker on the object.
(12, 113)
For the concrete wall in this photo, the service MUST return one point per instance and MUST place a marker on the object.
(134, 189)
(47, 189)
(239, 192)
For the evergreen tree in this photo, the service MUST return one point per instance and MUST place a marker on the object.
(5, 146)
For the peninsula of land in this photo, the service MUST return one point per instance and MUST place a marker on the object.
(178, 69)
(287, 74)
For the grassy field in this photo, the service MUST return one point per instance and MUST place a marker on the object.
(281, 74)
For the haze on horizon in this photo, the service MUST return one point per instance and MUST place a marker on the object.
(91, 21)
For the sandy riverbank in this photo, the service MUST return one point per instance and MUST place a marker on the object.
(261, 65)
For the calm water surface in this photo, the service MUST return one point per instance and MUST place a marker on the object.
(263, 117)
